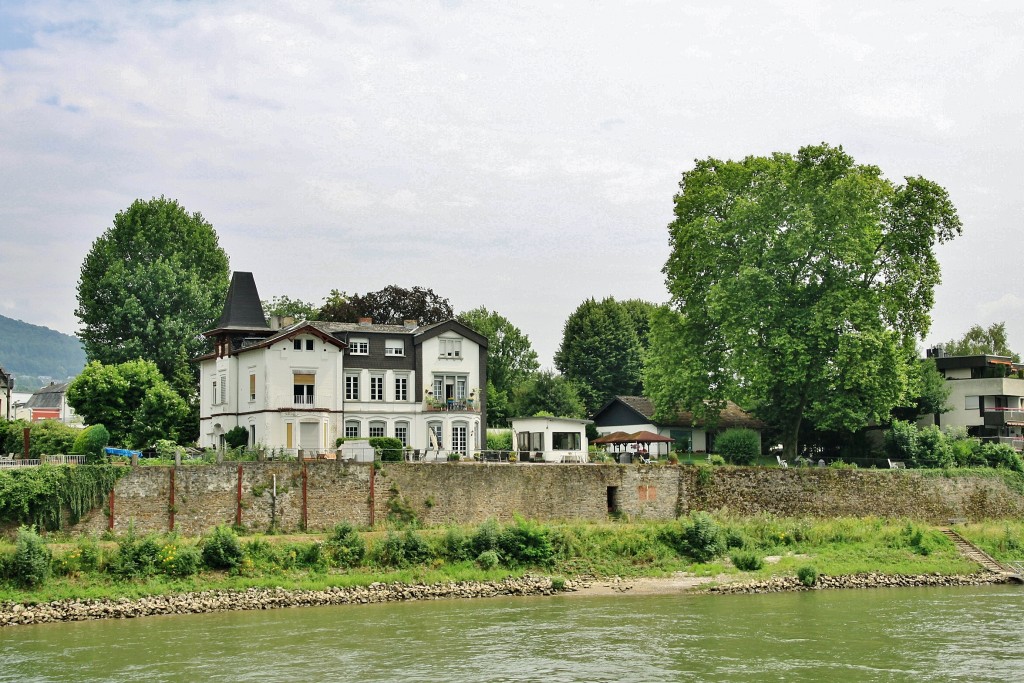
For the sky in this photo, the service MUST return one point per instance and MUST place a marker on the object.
(519, 156)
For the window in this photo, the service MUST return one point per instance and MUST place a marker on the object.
(310, 345)
(351, 387)
(438, 431)
(223, 388)
(359, 347)
(216, 397)
(565, 441)
(450, 348)
(377, 388)
(531, 441)
(297, 344)
(252, 386)
(402, 432)
(401, 388)
(252, 436)
(377, 429)
(459, 438)
(303, 389)
(450, 387)
(394, 347)
(352, 429)
(970, 403)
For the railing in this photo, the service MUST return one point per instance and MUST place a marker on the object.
(304, 400)
(465, 406)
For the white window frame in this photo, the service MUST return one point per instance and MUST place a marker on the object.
(460, 437)
(438, 428)
(401, 388)
(402, 432)
(449, 348)
(377, 429)
(352, 387)
(394, 347)
(350, 426)
(359, 346)
(376, 387)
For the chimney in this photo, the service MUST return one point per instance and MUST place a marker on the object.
(411, 324)
(365, 322)
(287, 320)
(275, 322)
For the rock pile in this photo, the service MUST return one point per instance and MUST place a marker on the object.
(12, 614)
(791, 583)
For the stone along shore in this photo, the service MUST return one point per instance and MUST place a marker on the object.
(781, 584)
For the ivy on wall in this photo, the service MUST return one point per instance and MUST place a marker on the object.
(52, 496)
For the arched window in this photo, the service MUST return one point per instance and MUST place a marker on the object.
(402, 432)
(351, 429)
(377, 428)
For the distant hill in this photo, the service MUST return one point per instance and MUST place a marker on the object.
(36, 354)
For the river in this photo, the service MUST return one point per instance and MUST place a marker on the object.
(913, 634)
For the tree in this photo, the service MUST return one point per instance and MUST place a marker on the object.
(296, 308)
(389, 306)
(640, 313)
(979, 341)
(149, 286)
(929, 392)
(547, 392)
(510, 359)
(132, 399)
(600, 352)
(798, 286)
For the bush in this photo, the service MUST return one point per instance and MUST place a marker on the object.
(91, 443)
(402, 550)
(746, 561)
(50, 437)
(389, 448)
(221, 549)
(703, 537)
(180, 560)
(345, 546)
(236, 437)
(808, 575)
(526, 543)
(500, 440)
(136, 558)
(30, 566)
(738, 446)
(488, 560)
(1002, 455)
(485, 538)
(89, 554)
(933, 449)
(454, 546)
(716, 459)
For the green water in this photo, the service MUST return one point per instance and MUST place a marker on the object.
(963, 634)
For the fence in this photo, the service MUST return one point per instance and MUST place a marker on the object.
(11, 462)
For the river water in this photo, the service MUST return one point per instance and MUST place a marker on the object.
(914, 634)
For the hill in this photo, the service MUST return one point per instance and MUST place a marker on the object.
(32, 353)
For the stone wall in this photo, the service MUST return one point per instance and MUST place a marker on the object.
(439, 493)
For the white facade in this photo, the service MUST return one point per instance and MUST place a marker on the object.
(557, 439)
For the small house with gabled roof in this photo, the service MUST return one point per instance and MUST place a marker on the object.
(302, 385)
(636, 413)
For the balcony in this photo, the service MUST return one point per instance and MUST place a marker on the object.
(452, 406)
(1002, 417)
(1016, 441)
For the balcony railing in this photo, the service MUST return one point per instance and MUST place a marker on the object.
(464, 405)
(997, 417)
(304, 400)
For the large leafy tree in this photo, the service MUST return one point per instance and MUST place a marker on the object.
(799, 285)
(548, 393)
(133, 400)
(296, 308)
(510, 359)
(600, 352)
(388, 306)
(149, 286)
(980, 340)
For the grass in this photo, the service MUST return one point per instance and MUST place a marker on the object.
(835, 547)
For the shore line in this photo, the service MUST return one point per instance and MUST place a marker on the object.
(201, 602)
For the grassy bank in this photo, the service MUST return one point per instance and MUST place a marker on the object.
(751, 548)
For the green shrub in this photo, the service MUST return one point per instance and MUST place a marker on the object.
(716, 459)
(486, 537)
(499, 440)
(734, 538)
(967, 452)
(345, 546)
(51, 437)
(30, 566)
(89, 554)
(526, 543)
(557, 583)
(738, 446)
(454, 545)
(808, 575)
(236, 437)
(221, 549)
(136, 557)
(389, 448)
(1002, 455)
(180, 560)
(402, 550)
(91, 442)
(746, 561)
(704, 538)
(933, 449)
(488, 560)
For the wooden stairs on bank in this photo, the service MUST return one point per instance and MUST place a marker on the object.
(976, 554)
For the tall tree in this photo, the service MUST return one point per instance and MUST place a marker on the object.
(979, 341)
(600, 352)
(149, 286)
(799, 285)
(388, 306)
(547, 392)
(510, 359)
(296, 308)
(133, 401)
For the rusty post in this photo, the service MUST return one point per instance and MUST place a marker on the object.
(238, 506)
(170, 507)
(110, 517)
(305, 512)
(373, 472)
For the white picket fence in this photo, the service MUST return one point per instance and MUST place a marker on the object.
(8, 461)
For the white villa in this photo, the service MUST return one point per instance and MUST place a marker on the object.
(302, 385)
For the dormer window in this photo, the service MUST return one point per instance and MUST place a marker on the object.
(394, 347)
(450, 348)
(359, 347)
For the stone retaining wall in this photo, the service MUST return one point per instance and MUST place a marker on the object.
(320, 494)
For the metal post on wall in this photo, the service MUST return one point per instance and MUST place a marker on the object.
(238, 499)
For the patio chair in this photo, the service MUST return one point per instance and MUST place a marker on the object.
(782, 463)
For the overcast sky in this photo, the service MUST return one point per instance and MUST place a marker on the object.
(520, 156)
